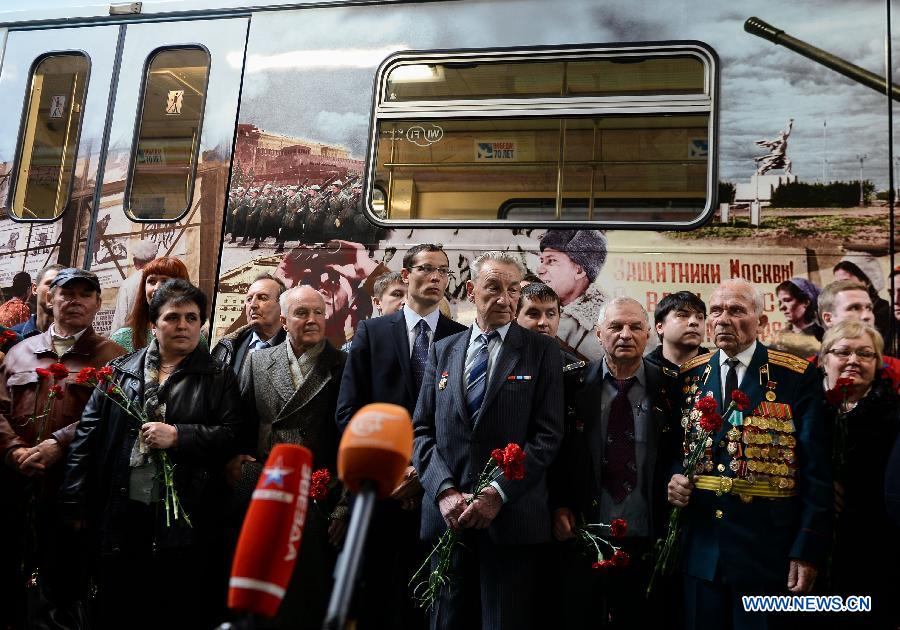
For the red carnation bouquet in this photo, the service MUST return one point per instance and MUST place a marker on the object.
(708, 422)
(8, 338)
(101, 379)
(589, 535)
(427, 584)
(56, 372)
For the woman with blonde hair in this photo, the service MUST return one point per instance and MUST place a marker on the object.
(863, 414)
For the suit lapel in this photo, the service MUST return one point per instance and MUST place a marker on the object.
(588, 405)
(509, 355)
(279, 370)
(456, 370)
(315, 381)
(401, 345)
(443, 328)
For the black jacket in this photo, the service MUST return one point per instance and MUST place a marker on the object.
(574, 476)
(203, 401)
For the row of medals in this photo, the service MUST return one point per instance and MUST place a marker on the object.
(762, 450)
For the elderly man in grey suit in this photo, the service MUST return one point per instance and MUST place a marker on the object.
(293, 388)
(484, 387)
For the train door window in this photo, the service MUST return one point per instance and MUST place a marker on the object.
(164, 158)
(49, 136)
(618, 137)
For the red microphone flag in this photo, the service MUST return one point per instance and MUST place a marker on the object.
(270, 538)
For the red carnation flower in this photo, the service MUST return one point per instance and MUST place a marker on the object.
(513, 462)
(844, 381)
(603, 565)
(59, 371)
(706, 405)
(104, 373)
(621, 559)
(321, 476)
(618, 527)
(498, 456)
(711, 422)
(10, 335)
(318, 489)
(43, 373)
(112, 389)
(85, 375)
(56, 391)
(740, 399)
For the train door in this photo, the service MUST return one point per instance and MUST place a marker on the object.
(123, 148)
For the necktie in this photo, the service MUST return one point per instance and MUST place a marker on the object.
(419, 356)
(619, 464)
(476, 374)
(731, 381)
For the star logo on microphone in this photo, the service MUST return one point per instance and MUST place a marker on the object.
(276, 473)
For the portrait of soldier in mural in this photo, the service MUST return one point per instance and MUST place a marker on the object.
(570, 261)
(344, 274)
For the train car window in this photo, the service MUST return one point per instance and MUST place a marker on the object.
(489, 80)
(623, 138)
(49, 136)
(164, 157)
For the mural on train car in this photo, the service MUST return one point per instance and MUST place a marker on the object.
(304, 116)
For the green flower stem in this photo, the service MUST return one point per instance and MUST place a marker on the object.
(664, 561)
(426, 590)
(165, 467)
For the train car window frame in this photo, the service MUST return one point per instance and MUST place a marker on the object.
(194, 158)
(20, 140)
(517, 107)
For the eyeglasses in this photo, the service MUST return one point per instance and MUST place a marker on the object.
(844, 353)
(428, 270)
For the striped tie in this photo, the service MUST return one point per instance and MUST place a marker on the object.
(476, 373)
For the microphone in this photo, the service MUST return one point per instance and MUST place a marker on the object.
(269, 543)
(373, 455)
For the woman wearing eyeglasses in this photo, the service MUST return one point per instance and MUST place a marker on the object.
(863, 414)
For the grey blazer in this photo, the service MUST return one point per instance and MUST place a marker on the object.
(304, 416)
(528, 411)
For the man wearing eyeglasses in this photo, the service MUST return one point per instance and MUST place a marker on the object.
(844, 300)
(386, 363)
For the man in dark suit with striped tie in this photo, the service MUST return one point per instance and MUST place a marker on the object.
(385, 364)
(483, 388)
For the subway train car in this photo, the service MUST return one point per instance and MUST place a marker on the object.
(617, 148)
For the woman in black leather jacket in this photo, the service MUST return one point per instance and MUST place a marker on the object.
(157, 566)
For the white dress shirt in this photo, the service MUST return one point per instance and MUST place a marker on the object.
(744, 358)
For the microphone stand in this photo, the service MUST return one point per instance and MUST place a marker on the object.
(347, 567)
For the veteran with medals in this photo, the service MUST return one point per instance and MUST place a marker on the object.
(758, 513)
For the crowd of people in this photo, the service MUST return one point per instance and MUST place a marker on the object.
(130, 461)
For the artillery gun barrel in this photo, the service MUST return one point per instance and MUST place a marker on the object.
(758, 27)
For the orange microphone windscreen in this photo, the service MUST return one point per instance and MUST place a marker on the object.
(376, 447)
(270, 537)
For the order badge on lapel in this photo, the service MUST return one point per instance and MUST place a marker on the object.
(442, 384)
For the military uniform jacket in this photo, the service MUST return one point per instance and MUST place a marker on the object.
(780, 443)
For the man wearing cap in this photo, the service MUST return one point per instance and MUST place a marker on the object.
(569, 263)
(35, 447)
(142, 253)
